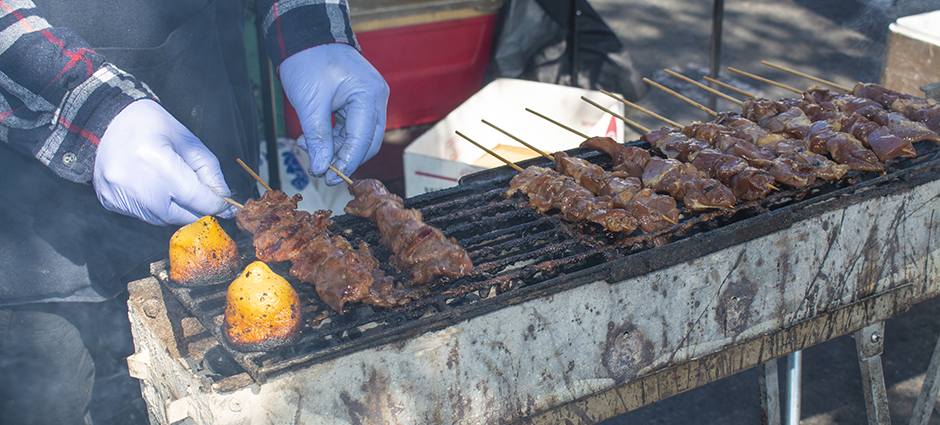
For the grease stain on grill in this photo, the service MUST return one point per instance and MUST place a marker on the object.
(733, 311)
(378, 405)
(626, 352)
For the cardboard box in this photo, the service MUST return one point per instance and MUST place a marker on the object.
(439, 158)
(912, 56)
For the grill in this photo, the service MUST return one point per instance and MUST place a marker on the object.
(521, 255)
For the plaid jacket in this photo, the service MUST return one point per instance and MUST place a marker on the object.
(57, 95)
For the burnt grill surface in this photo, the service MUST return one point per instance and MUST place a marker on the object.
(520, 254)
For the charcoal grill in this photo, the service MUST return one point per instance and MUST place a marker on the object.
(566, 321)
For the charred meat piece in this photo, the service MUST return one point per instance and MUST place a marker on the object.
(617, 185)
(547, 189)
(339, 272)
(679, 180)
(416, 246)
(842, 147)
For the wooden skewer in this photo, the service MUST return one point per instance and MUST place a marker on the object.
(909, 152)
(643, 110)
(727, 86)
(496, 155)
(772, 187)
(519, 140)
(674, 93)
(250, 171)
(558, 124)
(702, 86)
(686, 99)
(233, 202)
(621, 117)
(341, 174)
(762, 79)
(804, 75)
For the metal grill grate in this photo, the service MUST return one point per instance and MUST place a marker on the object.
(520, 254)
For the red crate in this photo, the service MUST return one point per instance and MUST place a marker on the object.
(430, 68)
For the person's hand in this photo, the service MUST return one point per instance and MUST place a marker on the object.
(151, 167)
(335, 78)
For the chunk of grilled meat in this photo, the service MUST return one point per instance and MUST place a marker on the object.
(416, 246)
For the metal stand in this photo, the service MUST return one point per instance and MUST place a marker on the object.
(794, 384)
(927, 400)
(869, 342)
(718, 13)
(769, 393)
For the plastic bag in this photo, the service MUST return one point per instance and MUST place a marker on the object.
(293, 163)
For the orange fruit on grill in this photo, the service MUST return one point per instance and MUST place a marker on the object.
(201, 253)
(262, 311)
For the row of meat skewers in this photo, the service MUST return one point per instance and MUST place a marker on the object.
(790, 143)
(712, 165)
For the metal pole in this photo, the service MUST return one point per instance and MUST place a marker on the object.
(268, 112)
(715, 56)
(575, 42)
(794, 381)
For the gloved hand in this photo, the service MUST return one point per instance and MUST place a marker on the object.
(151, 167)
(335, 78)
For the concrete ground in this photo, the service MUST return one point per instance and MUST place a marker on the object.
(840, 40)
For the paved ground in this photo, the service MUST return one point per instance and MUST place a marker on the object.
(840, 40)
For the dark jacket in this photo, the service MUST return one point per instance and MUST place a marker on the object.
(67, 68)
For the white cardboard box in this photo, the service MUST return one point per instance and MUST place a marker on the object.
(439, 158)
(912, 57)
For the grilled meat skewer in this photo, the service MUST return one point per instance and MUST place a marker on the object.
(416, 246)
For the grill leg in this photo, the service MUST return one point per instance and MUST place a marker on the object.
(794, 384)
(869, 342)
(769, 393)
(928, 392)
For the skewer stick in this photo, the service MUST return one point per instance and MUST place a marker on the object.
(702, 86)
(643, 110)
(559, 124)
(727, 86)
(807, 76)
(909, 152)
(496, 155)
(249, 170)
(762, 79)
(519, 140)
(341, 174)
(233, 202)
(773, 187)
(672, 92)
(621, 117)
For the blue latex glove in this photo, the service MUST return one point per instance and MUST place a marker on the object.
(151, 167)
(335, 78)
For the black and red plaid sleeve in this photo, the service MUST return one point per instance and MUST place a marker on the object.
(294, 25)
(57, 95)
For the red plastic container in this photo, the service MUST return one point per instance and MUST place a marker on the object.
(430, 68)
